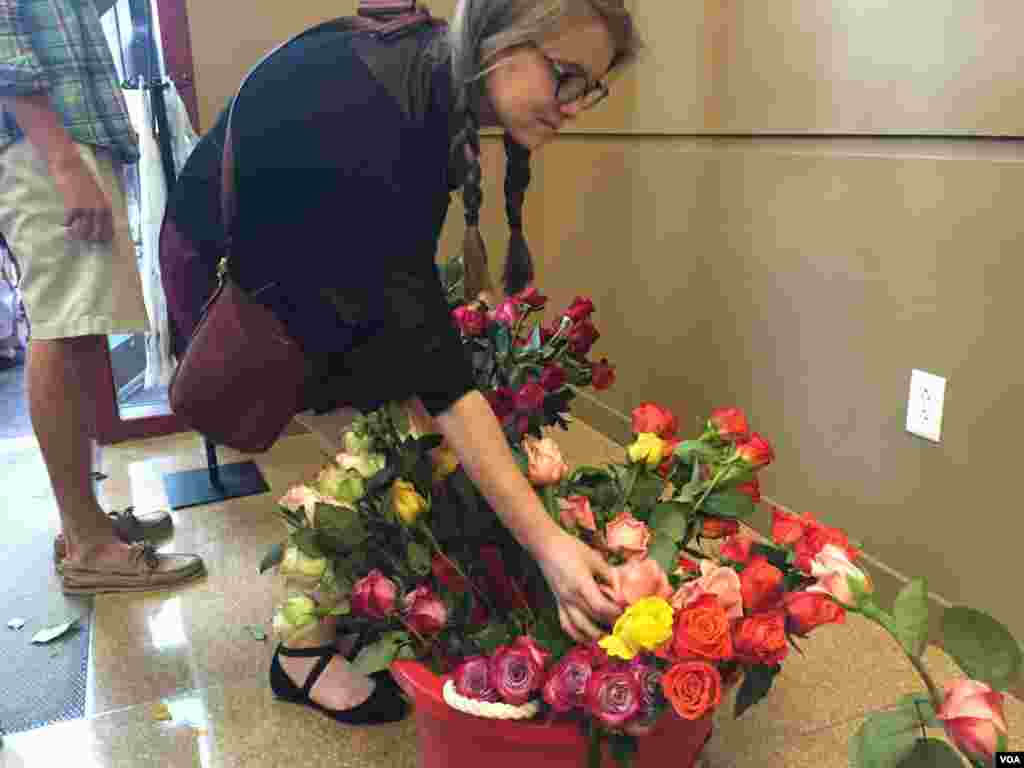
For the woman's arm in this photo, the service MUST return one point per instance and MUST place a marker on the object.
(570, 567)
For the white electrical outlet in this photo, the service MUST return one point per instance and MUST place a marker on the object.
(924, 407)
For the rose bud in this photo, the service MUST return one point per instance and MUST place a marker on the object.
(613, 696)
(582, 338)
(515, 674)
(580, 309)
(406, 501)
(301, 566)
(761, 639)
(693, 688)
(816, 537)
(648, 448)
(729, 424)
(575, 511)
(737, 548)
(531, 297)
(530, 397)
(602, 374)
(301, 497)
(627, 535)
(567, 683)
(552, 379)
(651, 417)
(507, 313)
(472, 322)
(718, 527)
(473, 680)
(807, 610)
(787, 529)
(751, 489)
(755, 452)
(424, 611)
(374, 596)
(545, 463)
(762, 584)
(502, 401)
(972, 716)
(838, 577)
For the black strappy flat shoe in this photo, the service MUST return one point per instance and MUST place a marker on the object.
(385, 704)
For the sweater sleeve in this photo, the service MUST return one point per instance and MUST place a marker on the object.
(21, 72)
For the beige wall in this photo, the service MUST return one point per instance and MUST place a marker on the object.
(800, 278)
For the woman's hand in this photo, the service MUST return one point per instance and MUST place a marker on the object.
(572, 570)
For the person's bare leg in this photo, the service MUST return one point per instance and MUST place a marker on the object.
(339, 687)
(62, 417)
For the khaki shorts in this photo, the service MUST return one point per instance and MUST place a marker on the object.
(70, 287)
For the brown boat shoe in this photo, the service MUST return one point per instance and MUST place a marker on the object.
(129, 527)
(146, 571)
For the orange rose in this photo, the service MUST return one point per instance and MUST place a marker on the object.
(694, 688)
(761, 639)
(761, 584)
(702, 630)
(718, 527)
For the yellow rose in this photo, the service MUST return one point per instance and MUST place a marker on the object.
(296, 563)
(407, 502)
(645, 625)
(296, 613)
(445, 462)
(648, 448)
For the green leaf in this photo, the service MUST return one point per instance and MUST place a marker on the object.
(646, 490)
(773, 555)
(731, 504)
(273, 557)
(257, 632)
(664, 552)
(492, 636)
(344, 608)
(886, 738)
(594, 751)
(910, 617)
(399, 418)
(339, 529)
(378, 656)
(690, 492)
(921, 705)
(306, 540)
(688, 449)
(932, 753)
(669, 519)
(419, 558)
(549, 635)
(982, 647)
(624, 748)
(429, 442)
(756, 683)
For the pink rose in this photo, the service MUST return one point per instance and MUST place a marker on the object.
(575, 511)
(613, 695)
(515, 674)
(835, 572)
(507, 313)
(530, 397)
(546, 465)
(567, 682)
(972, 716)
(602, 374)
(721, 581)
(374, 596)
(537, 652)
(301, 497)
(627, 535)
(649, 680)
(473, 680)
(424, 611)
(638, 579)
(472, 322)
(552, 378)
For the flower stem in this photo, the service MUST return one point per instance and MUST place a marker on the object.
(714, 481)
(933, 690)
(633, 477)
(871, 611)
(455, 566)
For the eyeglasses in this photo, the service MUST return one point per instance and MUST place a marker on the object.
(573, 86)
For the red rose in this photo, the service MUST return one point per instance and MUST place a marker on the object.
(761, 639)
(786, 528)
(582, 338)
(539, 653)
(752, 489)
(816, 537)
(702, 631)
(447, 576)
(807, 610)
(686, 565)
(729, 423)
(515, 674)
(502, 400)
(472, 322)
(552, 378)
(531, 297)
(530, 397)
(718, 527)
(374, 596)
(756, 452)
(761, 584)
(694, 688)
(424, 611)
(737, 548)
(580, 309)
(613, 695)
(651, 417)
(602, 374)
(566, 685)
(473, 680)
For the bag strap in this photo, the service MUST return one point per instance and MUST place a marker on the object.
(385, 18)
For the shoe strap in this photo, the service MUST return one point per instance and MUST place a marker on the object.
(324, 652)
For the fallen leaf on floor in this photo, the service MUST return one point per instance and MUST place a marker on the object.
(52, 633)
(15, 623)
(258, 633)
(162, 712)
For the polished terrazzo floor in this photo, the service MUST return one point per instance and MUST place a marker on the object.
(192, 651)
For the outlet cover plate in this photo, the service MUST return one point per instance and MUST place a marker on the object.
(924, 406)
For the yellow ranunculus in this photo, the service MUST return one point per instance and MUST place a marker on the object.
(407, 502)
(445, 462)
(643, 627)
(648, 448)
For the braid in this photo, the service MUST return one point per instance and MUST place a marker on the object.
(518, 263)
(474, 252)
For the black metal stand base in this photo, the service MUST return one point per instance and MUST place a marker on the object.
(195, 487)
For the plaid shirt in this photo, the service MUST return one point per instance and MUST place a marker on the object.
(58, 47)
